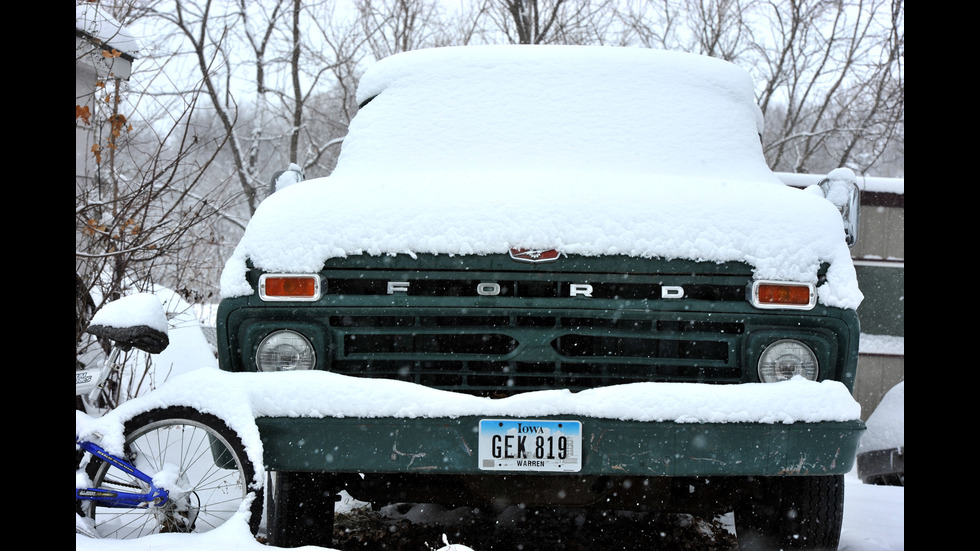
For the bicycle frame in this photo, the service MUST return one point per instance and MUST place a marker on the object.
(155, 497)
(90, 382)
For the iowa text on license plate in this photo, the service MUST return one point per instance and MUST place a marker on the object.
(530, 445)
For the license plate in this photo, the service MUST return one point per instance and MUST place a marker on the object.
(530, 445)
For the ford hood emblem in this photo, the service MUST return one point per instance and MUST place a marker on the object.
(534, 255)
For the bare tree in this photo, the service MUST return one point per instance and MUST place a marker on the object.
(259, 22)
(829, 73)
(131, 228)
(140, 202)
(650, 24)
(198, 33)
(258, 68)
(551, 21)
(875, 117)
(325, 53)
(833, 75)
(465, 26)
(722, 27)
(392, 26)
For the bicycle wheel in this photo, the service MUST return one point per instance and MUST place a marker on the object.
(196, 457)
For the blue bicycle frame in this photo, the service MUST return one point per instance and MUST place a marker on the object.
(155, 497)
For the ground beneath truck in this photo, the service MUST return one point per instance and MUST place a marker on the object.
(412, 527)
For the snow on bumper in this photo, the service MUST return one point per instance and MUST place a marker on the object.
(330, 422)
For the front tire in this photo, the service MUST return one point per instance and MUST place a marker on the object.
(791, 512)
(198, 451)
(302, 509)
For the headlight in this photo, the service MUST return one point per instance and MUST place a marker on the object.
(784, 359)
(285, 351)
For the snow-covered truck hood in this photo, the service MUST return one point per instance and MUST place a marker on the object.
(588, 150)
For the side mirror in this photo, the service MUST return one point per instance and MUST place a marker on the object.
(840, 188)
(288, 177)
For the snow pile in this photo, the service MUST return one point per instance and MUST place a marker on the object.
(96, 21)
(538, 109)
(131, 311)
(326, 394)
(589, 150)
(886, 425)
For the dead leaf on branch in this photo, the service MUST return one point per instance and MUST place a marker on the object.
(92, 226)
(82, 113)
(118, 122)
(131, 226)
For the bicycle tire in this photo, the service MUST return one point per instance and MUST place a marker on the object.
(183, 445)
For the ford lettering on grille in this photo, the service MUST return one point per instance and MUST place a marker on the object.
(492, 288)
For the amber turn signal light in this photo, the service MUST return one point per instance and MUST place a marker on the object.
(289, 287)
(779, 294)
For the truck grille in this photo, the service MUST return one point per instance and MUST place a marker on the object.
(500, 355)
(514, 288)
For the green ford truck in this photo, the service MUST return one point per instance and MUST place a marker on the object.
(554, 276)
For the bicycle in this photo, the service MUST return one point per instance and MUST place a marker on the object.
(182, 470)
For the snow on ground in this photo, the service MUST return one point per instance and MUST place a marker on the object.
(874, 520)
